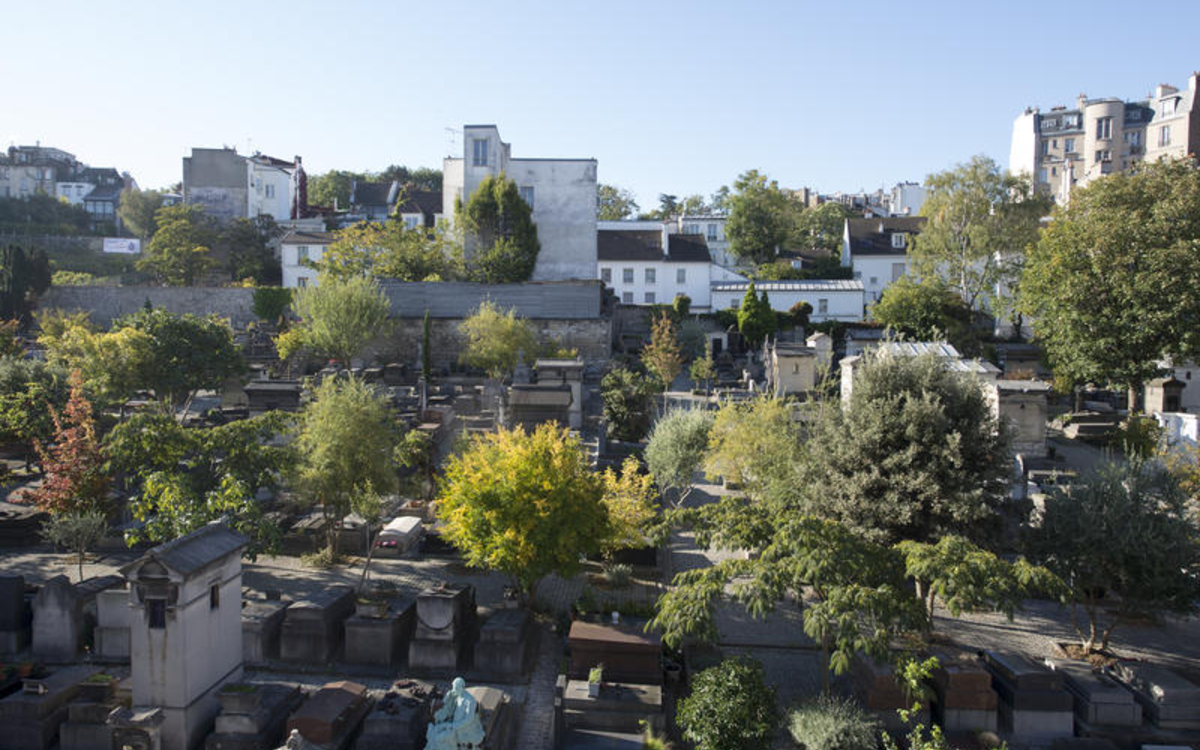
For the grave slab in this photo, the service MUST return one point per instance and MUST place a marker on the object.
(627, 653)
(262, 623)
(332, 714)
(381, 640)
(312, 627)
(506, 645)
(1170, 700)
(399, 718)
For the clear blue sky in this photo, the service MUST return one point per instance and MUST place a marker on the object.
(669, 97)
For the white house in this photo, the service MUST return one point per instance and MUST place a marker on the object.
(645, 263)
(712, 227)
(296, 250)
(877, 250)
(831, 299)
(271, 186)
(562, 193)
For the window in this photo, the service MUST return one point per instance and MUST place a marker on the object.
(1103, 155)
(897, 270)
(650, 275)
(1104, 127)
(302, 281)
(1133, 137)
(412, 222)
(823, 306)
(479, 154)
(1164, 135)
(858, 275)
(606, 275)
(1167, 107)
(680, 275)
(1053, 171)
(874, 281)
(1045, 148)
(526, 192)
(1042, 175)
(712, 231)
(214, 596)
(1133, 115)
(898, 239)
(1054, 143)
(270, 190)
(649, 298)
(302, 255)
(627, 298)
(691, 229)
(627, 275)
(1069, 145)
(156, 611)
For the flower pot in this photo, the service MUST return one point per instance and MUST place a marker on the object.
(593, 690)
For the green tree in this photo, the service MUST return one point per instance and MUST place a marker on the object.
(1111, 284)
(703, 370)
(662, 356)
(77, 532)
(916, 453)
(753, 445)
(137, 211)
(24, 276)
(332, 188)
(181, 250)
(340, 317)
(1126, 541)
(271, 303)
(114, 364)
(799, 313)
(833, 723)
(392, 250)
(523, 504)
(980, 219)
(629, 500)
(730, 707)
(628, 397)
(927, 310)
(821, 228)
(760, 218)
(756, 320)
(496, 340)
(614, 203)
(30, 392)
(421, 178)
(503, 243)
(675, 450)
(417, 452)
(346, 444)
(246, 243)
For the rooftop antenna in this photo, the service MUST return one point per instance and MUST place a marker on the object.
(452, 135)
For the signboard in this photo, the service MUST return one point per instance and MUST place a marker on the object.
(122, 245)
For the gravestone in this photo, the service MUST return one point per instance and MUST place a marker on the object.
(532, 404)
(506, 645)
(111, 635)
(57, 621)
(312, 627)
(331, 715)
(138, 728)
(882, 695)
(86, 727)
(14, 621)
(31, 718)
(262, 622)
(402, 536)
(1170, 700)
(399, 718)
(1100, 700)
(565, 372)
(1034, 704)
(380, 637)
(627, 653)
(617, 707)
(964, 700)
(267, 395)
(497, 716)
(445, 627)
(253, 716)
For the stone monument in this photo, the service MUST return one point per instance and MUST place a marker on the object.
(14, 621)
(456, 724)
(445, 627)
(57, 621)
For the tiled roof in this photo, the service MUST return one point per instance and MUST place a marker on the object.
(371, 193)
(190, 553)
(687, 248)
(296, 237)
(428, 203)
(810, 285)
(874, 236)
(629, 245)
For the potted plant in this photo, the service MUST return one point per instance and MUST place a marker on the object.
(595, 677)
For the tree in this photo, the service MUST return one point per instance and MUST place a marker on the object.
(346, 443)
(74, 463)
(1125, 541)
(693, 205)
(1111, 284)
(629, 501)
(421, 178)
(181, 250)
(523, 504)
(503, 242)
(77, 532)
(416, 451)
(496, 340)
(24, 276)
(340, 317)
(822, 227)
(675, 451)
(246, 242)
(753, 445)
(114, 364)
(756, 320)
(760, 218)
(681, 306)
(720, 201)
(332, 188)
(30, 392)
(627, 397)
(916, 453)
(137, 211)
(393, 250)
(799, 313)
(926, 310)
(662, 355)
(980, 219)
(270, 303)
(614, 203)
(730, 707)
(703, 370)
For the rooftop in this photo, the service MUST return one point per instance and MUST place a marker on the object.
(296, 237)
(191, 553)
(809, 285)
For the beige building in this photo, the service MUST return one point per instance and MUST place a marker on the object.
(1068, 147)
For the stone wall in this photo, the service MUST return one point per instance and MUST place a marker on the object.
(592, 338)
(105, 304)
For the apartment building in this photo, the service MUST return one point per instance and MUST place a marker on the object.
(1069, 147)
(877, 250)
(231, 186)
(561, 192)
(652, 262)
(28, 170)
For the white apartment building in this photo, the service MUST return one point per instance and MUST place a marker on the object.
(877, 250)
(272, 187)
(906, 199)
(831, 299)
(1068, 147)
(645, 263)
(562, 193)
(230, 186)
(712, 228)
(296, 250)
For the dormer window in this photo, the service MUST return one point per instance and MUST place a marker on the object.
(1167, 107)
(898, 240)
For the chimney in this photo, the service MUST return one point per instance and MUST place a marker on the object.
(1082, 101)
(1194, 81)
(1164, 89)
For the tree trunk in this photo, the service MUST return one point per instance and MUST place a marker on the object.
(825, 664)
(81, 554)
(366, 565)
(1134, 388)
(1078, 398)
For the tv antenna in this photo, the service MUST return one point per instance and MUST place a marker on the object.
(452, 135)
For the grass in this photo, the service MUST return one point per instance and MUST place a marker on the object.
(831, 723)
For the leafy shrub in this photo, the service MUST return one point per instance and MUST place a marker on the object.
(832, 723)
(271, 302)
(730, 708)
(618, 575)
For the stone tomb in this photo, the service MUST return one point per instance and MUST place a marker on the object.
(618, 707)
(881, 694)
(332, 715)
(506, 650)
(253, 716)
(529, 405)
(399, 718)
(1100, 700)
(138, 728)
(401, 536)
(1034, 704)
(111, 635)
(265, 395)
(14, 620)
(59, 622)
(964, 700)
(497, 716)
(262, 621)
(87, 727)
(380, 637)
(445, 627)
(627, 653)
(30, 719)
(312, 627)
(1170, 700)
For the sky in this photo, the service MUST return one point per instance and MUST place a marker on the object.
(669, 97)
